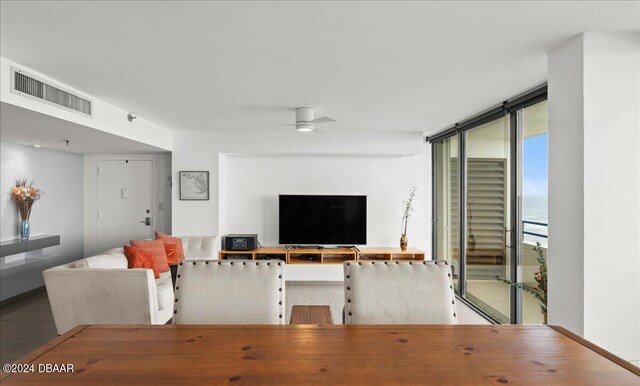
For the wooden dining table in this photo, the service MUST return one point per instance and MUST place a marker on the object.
(322, 354)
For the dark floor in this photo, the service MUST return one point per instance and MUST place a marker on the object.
(25, 325)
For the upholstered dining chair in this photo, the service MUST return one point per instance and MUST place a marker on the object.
(229, 292)
(398, 292)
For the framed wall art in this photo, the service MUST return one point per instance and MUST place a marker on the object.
(194, 185)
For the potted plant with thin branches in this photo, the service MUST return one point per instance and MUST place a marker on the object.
(539, 291)
(408, 208)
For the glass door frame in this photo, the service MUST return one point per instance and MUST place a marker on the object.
(512, 108)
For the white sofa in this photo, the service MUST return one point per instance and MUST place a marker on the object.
(199, 247)
(101, 289)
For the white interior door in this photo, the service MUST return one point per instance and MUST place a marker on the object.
(125, 201)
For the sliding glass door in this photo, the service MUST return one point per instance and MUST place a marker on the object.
(534, 203)
(487, 212)
(446, 201)
(482, 172)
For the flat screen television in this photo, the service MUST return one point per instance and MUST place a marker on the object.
(323, 220)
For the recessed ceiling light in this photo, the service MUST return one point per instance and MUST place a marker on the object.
(36, 145)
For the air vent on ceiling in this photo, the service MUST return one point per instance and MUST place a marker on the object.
(28, 85)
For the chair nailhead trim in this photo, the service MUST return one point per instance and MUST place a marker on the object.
(231, 263)
(268, 263)
(348, 276)
(176, 300)
(453, 302)
(206, 262)
(244, 263)
(177, 288)
(348, 300)
(349, 313)
(194, 263)
(280, 303)
(348, 288)
(279, 276)
(180, 263)
(280, 316)
(178, 275)
(219, 263)
(278, 263)
(348, 264)
(280, 289)
(175, 311)
(454, 314)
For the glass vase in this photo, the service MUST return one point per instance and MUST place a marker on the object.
(25, 229)
(403, 242)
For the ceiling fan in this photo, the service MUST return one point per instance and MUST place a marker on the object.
(305, 121)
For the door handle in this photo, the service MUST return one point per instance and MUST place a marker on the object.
(506, 243)
(147, 221)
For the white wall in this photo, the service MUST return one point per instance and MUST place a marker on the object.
(106, 117)
(216, 151)
(208, 150)
(161, 211)
(58, 212)
(254, 183)
(566, 186)
(594, 185)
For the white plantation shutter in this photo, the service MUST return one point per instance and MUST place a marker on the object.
(486, 200)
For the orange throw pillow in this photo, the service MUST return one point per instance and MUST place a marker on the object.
(138, 258)
(172, 255)
(172, 240)
(156, 249)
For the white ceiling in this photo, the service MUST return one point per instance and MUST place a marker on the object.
(407, 66)
(28, 127)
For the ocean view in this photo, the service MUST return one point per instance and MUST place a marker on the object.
(534, 208)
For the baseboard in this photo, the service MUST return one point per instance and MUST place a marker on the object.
(23, 295)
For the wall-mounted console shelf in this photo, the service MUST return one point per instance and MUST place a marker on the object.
(294, 255)
(12, 247)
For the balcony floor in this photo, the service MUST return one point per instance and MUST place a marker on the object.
(496, 295)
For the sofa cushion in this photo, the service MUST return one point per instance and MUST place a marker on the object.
(106, 261)
(114, 251)
(164, 277)
(155, 248)
(138, 258)
(199, 247)
(177, 242)
(165, 294)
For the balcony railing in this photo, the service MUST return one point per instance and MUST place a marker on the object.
(526, 232)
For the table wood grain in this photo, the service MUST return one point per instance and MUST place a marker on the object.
(303, 354)
(301, 314)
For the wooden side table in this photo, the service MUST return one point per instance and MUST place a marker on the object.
(311, 315)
